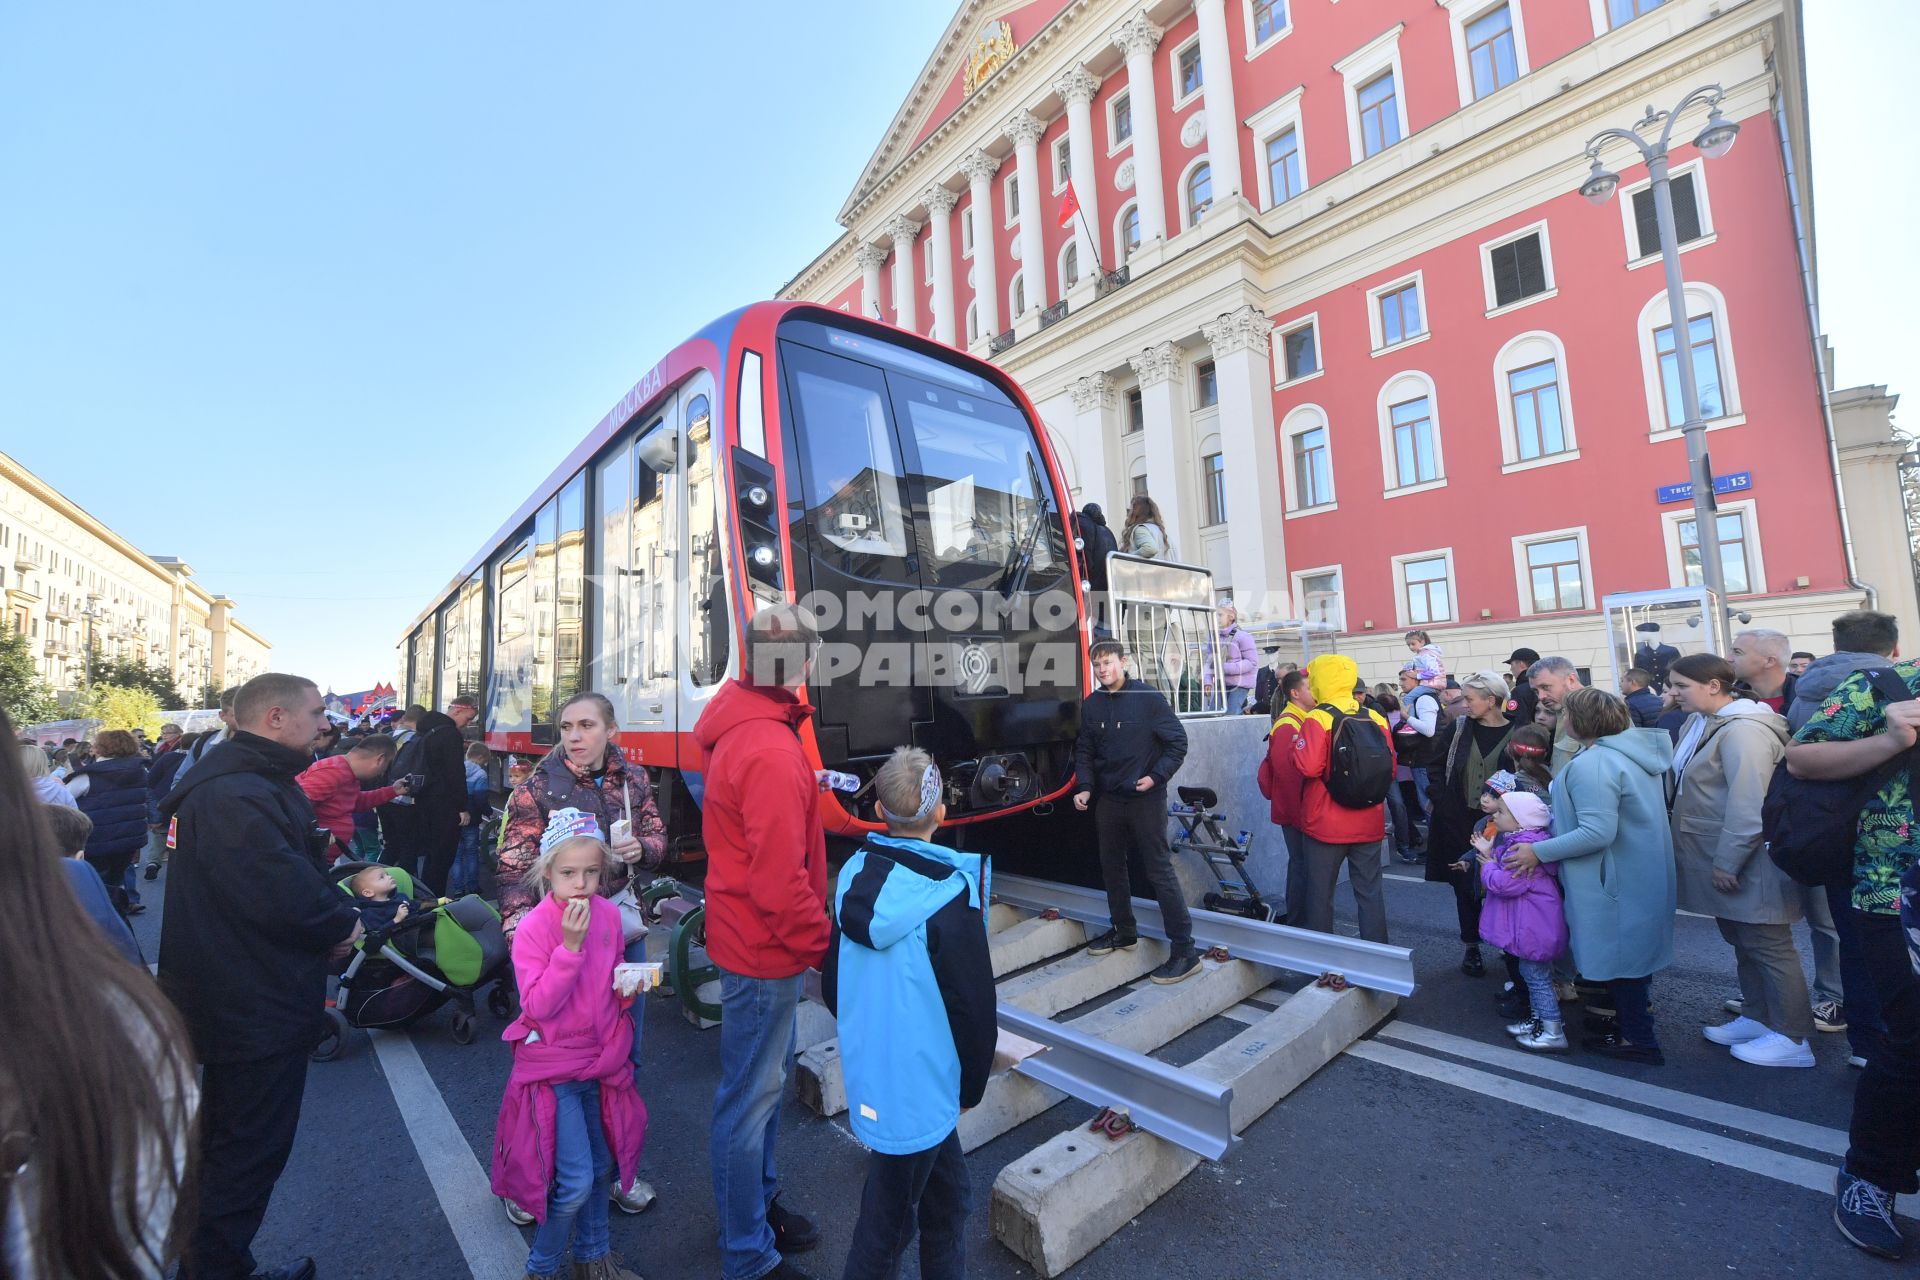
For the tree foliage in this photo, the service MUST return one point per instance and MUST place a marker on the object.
(119, 707)
(27, 697)
(131, 673)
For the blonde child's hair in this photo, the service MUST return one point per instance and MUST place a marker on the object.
(537, 874)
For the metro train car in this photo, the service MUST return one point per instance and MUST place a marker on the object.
(903, 490)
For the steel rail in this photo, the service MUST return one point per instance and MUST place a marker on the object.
(1163, 1100)
(1374, 965)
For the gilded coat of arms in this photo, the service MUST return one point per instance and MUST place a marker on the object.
(991, 51)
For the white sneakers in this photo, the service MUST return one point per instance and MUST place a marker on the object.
(1774, 1050)
(1540, 1036)
(1752, 1042)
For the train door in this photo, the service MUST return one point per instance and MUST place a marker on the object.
(652, 689)
(705, 626)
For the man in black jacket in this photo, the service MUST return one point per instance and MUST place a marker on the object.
(243, 954)
(1130, 744)
(443, 798)
(1091, 525)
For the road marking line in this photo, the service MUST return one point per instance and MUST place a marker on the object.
(1762, 1124)
(493, 1247)
(1793, 1170)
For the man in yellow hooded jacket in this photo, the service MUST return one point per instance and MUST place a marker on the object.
(1337, 834)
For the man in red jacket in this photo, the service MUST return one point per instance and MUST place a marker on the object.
(1284, 787)
(766, 925)
(1337, 835)
(334, 786)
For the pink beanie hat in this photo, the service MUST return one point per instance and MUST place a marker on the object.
(1529, 811)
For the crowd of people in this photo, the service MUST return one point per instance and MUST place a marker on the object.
(1568, 822)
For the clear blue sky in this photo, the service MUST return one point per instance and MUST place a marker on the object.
(313, 295)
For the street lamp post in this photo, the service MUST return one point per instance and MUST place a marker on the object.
(91, 613)
(1714, 140)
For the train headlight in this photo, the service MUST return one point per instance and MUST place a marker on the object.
(758, 495)
(762, 557)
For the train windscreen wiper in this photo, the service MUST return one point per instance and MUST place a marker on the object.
(1018, 567)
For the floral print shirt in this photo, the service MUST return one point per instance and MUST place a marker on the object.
(1887, 845)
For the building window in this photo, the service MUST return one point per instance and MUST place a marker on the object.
(1269, 20)
(1316, 594)
(1624, 11)
(1213, 477)
(1199, 192)
(1518, 269)
(1730, 528)
(973, 321)
(1398, 314)
(1062, 162)
(966, 233)
(1492, 58)
(1379, 104)
(1018, 296)
(1012, 193)
(1534, 392)
(1129, 231)
(1688, 224)
(1188, 76)
(1300, 352)
(1069, 265)
(1139, 487)
(1119, 120)
(1416, 459)
(1426, 587)
(1309, 475)
(1283, 166)
(1555, 572)
(1206, 385)
(1136, 411)
(1705, 354)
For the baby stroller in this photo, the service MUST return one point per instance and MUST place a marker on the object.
(447, 953)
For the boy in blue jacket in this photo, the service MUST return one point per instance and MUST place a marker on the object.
(911, 981)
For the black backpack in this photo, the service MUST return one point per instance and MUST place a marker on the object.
(1810, 824)
(411, 758)
(1413, 748)
(1359, 760)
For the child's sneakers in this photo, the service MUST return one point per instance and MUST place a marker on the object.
(637, 1198)
(604, 1267)
(515, 1214)
(1544, 1037)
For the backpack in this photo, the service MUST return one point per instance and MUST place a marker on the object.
(1810, 824)
(1359, 760)
(1413, 748)
(411, 758)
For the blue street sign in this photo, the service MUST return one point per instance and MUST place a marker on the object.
(1738, 482)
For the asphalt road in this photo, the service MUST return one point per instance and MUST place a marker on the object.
(1429, 1149)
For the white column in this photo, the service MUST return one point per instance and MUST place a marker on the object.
(1242, 342)
(1025, 132)
(871, 258)
(1137, 38)
(1223, 125)
(940, 202)
(1096, 429)
(980, 168)
(1076, 89)
(1169, 462)
(904, 231)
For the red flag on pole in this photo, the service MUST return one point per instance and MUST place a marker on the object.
(1069, 207)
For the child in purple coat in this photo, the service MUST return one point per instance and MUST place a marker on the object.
(1524, 917)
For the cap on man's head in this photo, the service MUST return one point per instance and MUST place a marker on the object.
(1527, 656)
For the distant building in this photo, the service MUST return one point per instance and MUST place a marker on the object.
(1359, 336)
(69, 581)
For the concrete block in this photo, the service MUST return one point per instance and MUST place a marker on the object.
(817, 1076)
(1141, 1020)
(1034, 940)
(813, 1025)
(1080, 977)
(1001, 915)
(1060, 1201)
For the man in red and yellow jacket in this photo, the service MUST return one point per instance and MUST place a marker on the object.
(1282, 784)
(766, 902)
(1335, 833)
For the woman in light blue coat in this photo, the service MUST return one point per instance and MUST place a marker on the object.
(1615, 855)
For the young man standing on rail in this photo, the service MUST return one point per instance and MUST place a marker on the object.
(1130, 744)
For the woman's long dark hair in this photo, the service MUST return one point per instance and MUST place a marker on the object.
(84, 1067)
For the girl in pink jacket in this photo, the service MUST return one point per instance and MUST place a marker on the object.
(571, 1117)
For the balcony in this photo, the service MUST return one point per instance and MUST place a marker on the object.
(26, 561)
(1054, 314)
(1000, 342)
(1112, 280)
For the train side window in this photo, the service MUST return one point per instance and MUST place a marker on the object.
(855, 495)
(569, 631)
(707, 629)
(546, 553)
(642, 596)
(508, 706)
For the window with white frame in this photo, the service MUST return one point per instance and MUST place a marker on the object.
(1062, 162)
(1552, 571)
(1517, 267)
(1736, 539)
(1317, 597)
(1069, 265)
(973, 321)
(966, 232)
(1620, 12)
(1136, 420)
(1708, 348)
(926, 255)
(1119, 121)
(1280, 149)
(1489, 45)
(1017, 296)
(1128, 231)
(1424, 582)
(1010, 197)
(1376, 104)
(1309, 463)
(1298, 349)
(1692, 218)
(1410, 452)
(1283, 166)
(1196, 192)
(1213, 482)
(1138, 485)
(1267, 21)
(1188, 76)
(1396, 313)
(1536, 412)
(1206, 385)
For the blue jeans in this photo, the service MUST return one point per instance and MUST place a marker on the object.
(637, 952)
(1864, 1023)
(1420, 784)
(465, 876)
(930, 1190)
(758, 1038)
(1236, 700)
(582, 1166)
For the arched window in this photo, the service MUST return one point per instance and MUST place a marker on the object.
(1017, 296)
(1199, 191)
(1069, 265)
(1308, 465)
(1536, 408)
(1410, 454)
(1127, 231)
(1708, 348)
(973, 321)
